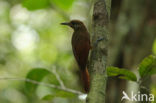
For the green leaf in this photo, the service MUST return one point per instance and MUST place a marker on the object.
(48, 97)
(148, 66)
(63, 4)
(154, 47)
(64, 94)
(36, 74)
(122, 73)
(59, 93)
(35, 4)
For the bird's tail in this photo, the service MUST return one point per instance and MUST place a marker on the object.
(85, 79)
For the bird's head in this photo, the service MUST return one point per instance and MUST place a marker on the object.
(75, 24)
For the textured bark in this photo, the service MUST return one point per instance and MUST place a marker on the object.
(98, 58)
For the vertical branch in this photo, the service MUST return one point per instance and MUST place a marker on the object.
(98, 59)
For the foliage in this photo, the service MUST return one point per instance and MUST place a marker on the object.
(121, 73)
(40, 4)
(36, 74)
(35, 4)
(58, 93)
(154, 47)
(61, 4)
(148, 66)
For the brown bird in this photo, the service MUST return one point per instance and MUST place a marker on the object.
(81, 46)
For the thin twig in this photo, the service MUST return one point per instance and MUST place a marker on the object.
(44, 84)
(58, 77)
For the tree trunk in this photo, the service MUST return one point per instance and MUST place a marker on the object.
(98, 58)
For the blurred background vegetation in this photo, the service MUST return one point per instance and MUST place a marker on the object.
(31, 37)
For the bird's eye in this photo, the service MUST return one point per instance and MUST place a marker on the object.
(73, 23)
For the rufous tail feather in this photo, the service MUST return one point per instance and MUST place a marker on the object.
(85, 79)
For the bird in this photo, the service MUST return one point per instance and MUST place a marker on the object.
(81, 46)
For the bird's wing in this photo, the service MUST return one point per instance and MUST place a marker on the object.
(81, 54)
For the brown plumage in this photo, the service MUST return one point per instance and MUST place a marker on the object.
(81, 46)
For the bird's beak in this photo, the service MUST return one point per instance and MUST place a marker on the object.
(66, 23)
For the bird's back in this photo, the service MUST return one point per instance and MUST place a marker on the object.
(81, 47)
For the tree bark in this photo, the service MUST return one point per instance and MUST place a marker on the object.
(98, 58)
